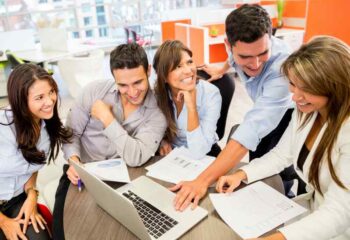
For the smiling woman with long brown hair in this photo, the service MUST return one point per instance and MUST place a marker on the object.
(316, 142)
(191, 108)
(31, 135)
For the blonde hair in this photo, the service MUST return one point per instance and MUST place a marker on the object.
(323, 67)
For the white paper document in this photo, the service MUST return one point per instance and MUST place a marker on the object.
(109, 170)
(178, 166)
(255, 209)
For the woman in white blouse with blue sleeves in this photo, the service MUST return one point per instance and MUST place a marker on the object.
(31, 133)
(316, 142)
(192, 108)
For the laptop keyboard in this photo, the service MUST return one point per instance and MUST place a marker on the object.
(156, 222)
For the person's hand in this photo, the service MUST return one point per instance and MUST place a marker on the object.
(189, 98)
(11, 228)
(71, 173)
(229, 183)
(103, 112)
(188, 191)
(214, 71)
(30, 213)
(165, 148)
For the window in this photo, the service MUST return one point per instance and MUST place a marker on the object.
(87, 21)
(101, 20)
(103, 32)
(85, 8)
(75, 34)
(88, 33)
(100, 9)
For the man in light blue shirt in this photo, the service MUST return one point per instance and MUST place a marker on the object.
(257, 57)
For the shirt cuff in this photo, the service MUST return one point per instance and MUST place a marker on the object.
(196, 143)
(251, 172)
(69, 150)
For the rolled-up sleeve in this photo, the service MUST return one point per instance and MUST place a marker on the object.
(138, 148)
(201, 139)
(268, 110)
(275, 160)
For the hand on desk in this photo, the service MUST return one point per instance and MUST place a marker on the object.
(229, 183)
(165, 148)
(188, 191)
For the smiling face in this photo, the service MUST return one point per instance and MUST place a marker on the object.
(305, 101)
(41, 100)
(132, 84)
(251, 57)
(183, 77)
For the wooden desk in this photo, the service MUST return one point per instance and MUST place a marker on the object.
(83, 219)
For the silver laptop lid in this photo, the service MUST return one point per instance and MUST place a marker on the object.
(113, 203)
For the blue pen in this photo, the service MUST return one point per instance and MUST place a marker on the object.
(79, 185)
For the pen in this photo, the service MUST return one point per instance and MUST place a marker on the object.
(79, 185)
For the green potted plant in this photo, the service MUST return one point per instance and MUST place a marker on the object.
(213, 31)
(280, 8)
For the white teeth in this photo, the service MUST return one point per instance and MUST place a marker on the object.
(302, 104)
(187, 80)
(48, 110)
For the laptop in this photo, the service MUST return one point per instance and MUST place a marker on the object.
(142, 206)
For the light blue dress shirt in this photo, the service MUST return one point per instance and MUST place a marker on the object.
(270, 94)
(200, 140)
(14, 169)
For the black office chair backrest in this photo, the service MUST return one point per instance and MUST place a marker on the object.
(13, 60)
(226, 87)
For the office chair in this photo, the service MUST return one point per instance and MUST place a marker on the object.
(141, 40)
(226, 87)
(15, 61)
(127, 35)
(77, 72)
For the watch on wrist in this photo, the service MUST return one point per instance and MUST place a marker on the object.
(32, 188)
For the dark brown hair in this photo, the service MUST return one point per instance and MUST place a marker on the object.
(27, 129)
(323, 67)
(247, 23)
(129, 55)
(166, 59)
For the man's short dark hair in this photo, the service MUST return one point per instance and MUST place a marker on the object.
(247, 24)
(129, 55)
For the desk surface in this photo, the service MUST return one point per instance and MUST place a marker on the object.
(83, 219)
(74, 47)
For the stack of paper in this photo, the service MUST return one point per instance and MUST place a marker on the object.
(255, 209)
(178, 166)
(109, 170)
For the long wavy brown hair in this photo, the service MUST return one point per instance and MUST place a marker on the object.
(323, 67)
(166, 59)
(27, 129)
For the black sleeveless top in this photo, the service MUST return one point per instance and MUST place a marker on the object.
(302, 157)
(300, 163)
